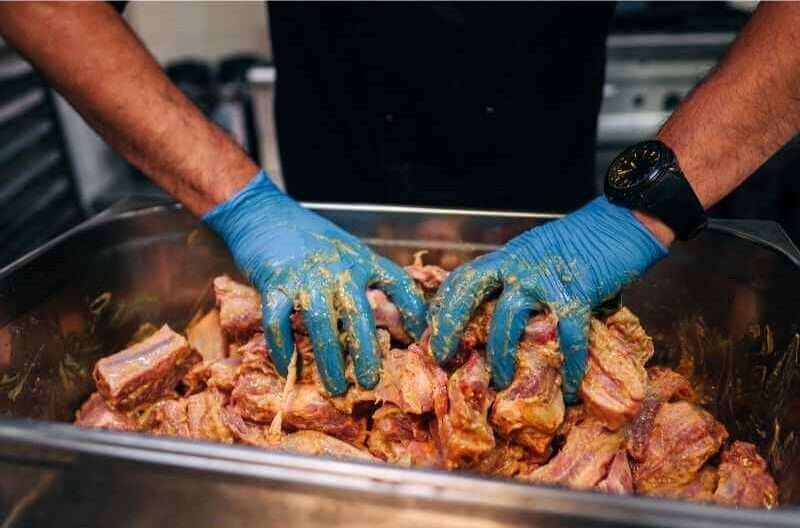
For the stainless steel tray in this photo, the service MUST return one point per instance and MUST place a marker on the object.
(729, 300)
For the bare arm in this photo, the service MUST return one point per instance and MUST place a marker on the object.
(743, 113)
(90, 55)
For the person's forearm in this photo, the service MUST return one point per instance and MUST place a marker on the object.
(744, 112)
(90, 55)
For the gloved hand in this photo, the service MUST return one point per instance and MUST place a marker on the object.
(569, 266)
(287, 252)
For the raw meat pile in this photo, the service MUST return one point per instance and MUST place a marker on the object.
(636, 430)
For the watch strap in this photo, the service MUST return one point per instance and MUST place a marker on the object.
(673, 201)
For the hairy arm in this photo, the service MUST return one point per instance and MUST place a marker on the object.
(90, 55)
(743, 113)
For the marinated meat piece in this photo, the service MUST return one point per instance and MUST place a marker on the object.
(245, 431)
(428, 277)
(476, 332)
(204, 414)
(168, 417)
(95, 413)
(402, 439)
(258, 393)
(744, 480)
(572, 417)
(410, 379)
(682, 439)
(320, 444)
(146, 371)
(195, 380)
(627, 328)
(387, 316)
(531, 409)
(310, 410)
(464, 433)
(666, 385)
(615, 381)
(206, 337)
(663, 385)
(585, 458)
(700, 488)
(619, 480)
(508, 460)
(239, 307)
(222, 373)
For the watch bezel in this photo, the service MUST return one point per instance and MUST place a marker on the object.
(654, 176)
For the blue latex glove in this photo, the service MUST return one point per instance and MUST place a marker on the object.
(287, 252)
(569, 266)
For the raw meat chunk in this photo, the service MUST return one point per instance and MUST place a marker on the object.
(663, 385)
(402, 439)
(410, 379)
(320, 444)
(531, 409)
(428, 277)
(167, 417)
(239, 307)
(700, 488)
(206, 337)
(584, 459)
(463, 429)
(619, 480)
(614, 384)
(682, 439)
(95, 413)
(204, 416)
(146, 371)
(744, 480)
(387, 316)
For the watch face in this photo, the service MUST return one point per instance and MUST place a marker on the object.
(635, 166)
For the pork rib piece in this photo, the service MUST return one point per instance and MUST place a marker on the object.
(320, 444)
(463, 429)
(683, 437)
(95, 413)
(619, 479)
(207, 338)
(146, 371)
(615, 381)
(411, 380)
(402, 439)
(584, 459)
(239, 307)
(663, 385)
(168, 417)
(258, 392)
(744, 480)
(531, 409)
(205, 419)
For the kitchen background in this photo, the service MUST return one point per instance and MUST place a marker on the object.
(56, 171)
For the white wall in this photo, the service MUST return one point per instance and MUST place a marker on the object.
(208, 30)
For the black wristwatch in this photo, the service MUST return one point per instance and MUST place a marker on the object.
(646, 177)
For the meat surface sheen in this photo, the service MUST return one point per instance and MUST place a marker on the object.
(95, 413)
(615, 381)
(584, 459)
(411, 380)
(619, 480)
(463, 430)
(402, 439)
(744, 480)
(207, 338)
(531, 409)
(682, 439)
(144, 372)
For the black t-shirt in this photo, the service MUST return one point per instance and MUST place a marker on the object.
(487, 105)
